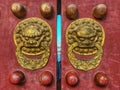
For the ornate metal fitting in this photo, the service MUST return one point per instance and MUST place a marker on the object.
(18, 10)
(85, 37)
(32, 38)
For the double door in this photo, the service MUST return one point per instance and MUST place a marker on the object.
(89, 45)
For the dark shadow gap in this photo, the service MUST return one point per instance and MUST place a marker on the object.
(58, 56)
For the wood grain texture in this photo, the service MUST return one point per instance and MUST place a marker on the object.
(8, 61)
(110, 63)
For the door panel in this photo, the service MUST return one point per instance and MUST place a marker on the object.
(75, 78)
(8, 58)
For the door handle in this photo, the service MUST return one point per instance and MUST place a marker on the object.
(85, 37)
(32, 38)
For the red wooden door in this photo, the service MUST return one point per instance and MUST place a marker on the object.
(23, 32)
(82, 68)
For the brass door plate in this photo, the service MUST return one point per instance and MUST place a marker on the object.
(32, 38)
(85, 37)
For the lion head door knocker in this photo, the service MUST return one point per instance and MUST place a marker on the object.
(85, 37)
(32, 38)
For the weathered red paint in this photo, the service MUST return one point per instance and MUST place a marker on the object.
(110, 60)
(8, 60)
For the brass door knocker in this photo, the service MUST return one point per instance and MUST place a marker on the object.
(85, 37)
(32, 38)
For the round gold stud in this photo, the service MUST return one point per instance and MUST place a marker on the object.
(46, 10)
(18, 10)
(72, 11)
(100, 11)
